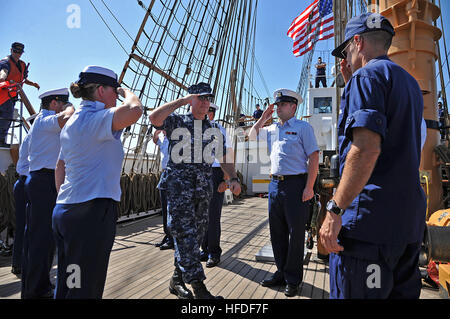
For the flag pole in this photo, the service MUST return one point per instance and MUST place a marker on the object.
(340, 20)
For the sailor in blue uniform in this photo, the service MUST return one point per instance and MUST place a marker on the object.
(21, 200)
(88, 180)
(375, 221)
(43, 150)
(211, 250)
(160, 139)
(258, 112)
(294, 160)
(188, 182)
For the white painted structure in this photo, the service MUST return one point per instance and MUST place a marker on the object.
(321, 109)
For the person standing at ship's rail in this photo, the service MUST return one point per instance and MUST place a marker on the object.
(160, 139)
(211, 250)
(43, 150)
(375, 221)
(88, 182)
(187, 179)
(321, 76)
(294, 158)
(258, 113)
(12, 70)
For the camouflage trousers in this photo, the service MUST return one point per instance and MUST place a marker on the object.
(188, 197)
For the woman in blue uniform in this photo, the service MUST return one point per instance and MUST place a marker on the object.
(43, 150)
(88, 179)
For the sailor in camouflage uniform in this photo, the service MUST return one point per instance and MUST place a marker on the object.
(187, 178)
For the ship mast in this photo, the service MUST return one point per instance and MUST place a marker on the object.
(181, 43)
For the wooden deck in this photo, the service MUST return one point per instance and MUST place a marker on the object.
(139, 270)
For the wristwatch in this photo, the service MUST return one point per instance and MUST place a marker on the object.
(334, 208)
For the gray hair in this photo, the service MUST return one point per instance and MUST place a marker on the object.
(379, 39)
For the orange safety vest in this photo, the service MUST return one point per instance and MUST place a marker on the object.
(15, 75)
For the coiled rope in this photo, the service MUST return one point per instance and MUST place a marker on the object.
(139, 193)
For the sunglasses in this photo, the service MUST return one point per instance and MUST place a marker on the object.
(344, 51)
(206, 98)
(211, 109)
(17, 51)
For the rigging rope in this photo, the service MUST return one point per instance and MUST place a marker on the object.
(183, 42)
(115, 37)
(189, 41)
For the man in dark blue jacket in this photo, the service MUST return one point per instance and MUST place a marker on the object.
(375, 221)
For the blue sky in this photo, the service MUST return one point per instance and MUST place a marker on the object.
(57, 53)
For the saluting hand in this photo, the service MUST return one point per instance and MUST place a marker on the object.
(121, 91)
(329, 232)
(188, 99)
(267, 114)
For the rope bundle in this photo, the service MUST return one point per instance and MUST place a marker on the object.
(139, 193)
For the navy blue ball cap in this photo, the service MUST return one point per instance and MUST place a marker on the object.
(364, 23)
(98, 75)
(18, 46)
(200, 89)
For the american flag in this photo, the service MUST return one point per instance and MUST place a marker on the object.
(303, 29)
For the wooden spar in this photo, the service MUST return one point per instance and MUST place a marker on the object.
(340, 21)
(233, 93)
(24, 121)
(157, 70)
(25, 101)
(144, 22)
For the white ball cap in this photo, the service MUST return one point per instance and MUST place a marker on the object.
(286, 95)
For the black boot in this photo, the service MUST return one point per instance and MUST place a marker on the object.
(200, 291)
(177, 286)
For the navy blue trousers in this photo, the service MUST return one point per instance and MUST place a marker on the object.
(21, 200)
(6, 112)
(368, 271)
(84, 235)
(39, 245)
(211, 242)
(287, 218)
(321, 79)
(188, 197)
(163, 197)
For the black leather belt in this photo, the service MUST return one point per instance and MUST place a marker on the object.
(286, 177)
(45, 170)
